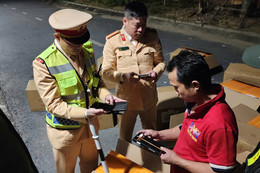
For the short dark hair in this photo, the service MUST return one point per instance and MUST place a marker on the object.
(135, 9)
(191, 66)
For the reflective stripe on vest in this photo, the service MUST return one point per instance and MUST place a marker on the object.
(70, 85)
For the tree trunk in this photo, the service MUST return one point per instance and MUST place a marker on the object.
(244, 8)
(244, 11)
(202, 6)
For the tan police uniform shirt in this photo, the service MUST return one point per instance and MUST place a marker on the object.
(51, 97)
(121, 56)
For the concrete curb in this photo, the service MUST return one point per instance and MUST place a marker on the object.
(182, 26)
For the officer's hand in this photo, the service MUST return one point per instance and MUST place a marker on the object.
(111, 99)
(91, 112)
(131, 77)
(153, 76)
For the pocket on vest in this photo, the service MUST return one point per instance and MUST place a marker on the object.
(68, 86)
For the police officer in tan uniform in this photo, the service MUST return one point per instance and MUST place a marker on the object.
(132, 51)
(62, 74)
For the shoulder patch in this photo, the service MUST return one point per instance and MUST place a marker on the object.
(40, 60)
(112, 34)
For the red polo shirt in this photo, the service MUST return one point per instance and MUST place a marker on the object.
(209, 135)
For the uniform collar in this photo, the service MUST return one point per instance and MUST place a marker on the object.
(134, 42)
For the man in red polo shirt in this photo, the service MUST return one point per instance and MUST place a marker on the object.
(207, 138)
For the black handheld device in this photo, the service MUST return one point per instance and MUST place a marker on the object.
(144, 76)
(117, 107)
(148, 144)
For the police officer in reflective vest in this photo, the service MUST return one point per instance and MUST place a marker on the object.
(64, 75)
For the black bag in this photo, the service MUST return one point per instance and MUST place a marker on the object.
(252, 163)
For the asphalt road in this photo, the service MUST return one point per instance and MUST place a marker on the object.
(25, 33)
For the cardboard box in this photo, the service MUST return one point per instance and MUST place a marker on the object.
(241, 157)
(142, 157)
(247, 133)
(118, 163)
(242, 72)
(241, 93)
(109, 84)
(176, 120)
(168, 104)
(209, 58)
(34, 100)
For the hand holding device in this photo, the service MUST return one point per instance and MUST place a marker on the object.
(117, 107)
(142, 76)
(148, 144)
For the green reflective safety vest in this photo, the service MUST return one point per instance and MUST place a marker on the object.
(71, 87)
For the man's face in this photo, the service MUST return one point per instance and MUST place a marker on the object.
(187, 94)
(135, 27)
(68, 47)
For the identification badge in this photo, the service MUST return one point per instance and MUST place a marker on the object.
(123, 48)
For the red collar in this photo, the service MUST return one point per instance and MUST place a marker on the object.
(201, 110)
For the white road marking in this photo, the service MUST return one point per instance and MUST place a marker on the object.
(37, 18)
(13, 8)
(5, 5)
(97, 43)
(24, 13)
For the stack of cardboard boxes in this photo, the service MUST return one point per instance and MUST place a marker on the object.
(242, 87)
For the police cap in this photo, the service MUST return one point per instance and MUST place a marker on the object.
(71, 24)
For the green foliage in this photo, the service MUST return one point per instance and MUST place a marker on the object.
(112, 3)
(155, 6)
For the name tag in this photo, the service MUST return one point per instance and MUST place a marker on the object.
(123, 48)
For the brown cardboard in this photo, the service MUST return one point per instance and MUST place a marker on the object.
(118, 163)
(234, 98)
(34, 100)
(209, 58)
(168, 104)
(255, 121)
(109, 84)
(142, 157)
(241, 157)
(176, 120)
(247, 132)
(243, 73)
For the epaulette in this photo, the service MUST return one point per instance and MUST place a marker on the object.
(112, 34)
(47, 52)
